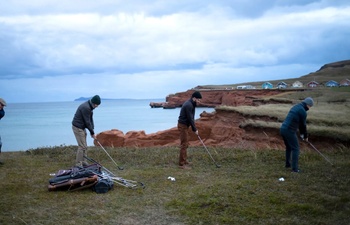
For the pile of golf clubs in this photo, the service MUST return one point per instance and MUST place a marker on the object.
(107, 174)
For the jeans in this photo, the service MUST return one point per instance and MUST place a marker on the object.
(292, 148)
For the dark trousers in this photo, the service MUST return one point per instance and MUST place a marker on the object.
(292, 148)
(183, 129)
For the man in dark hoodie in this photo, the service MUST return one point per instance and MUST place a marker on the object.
(83, 119)
(186, 119)
(2, 114)
(295, 120)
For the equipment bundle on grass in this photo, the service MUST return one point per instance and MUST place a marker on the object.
(94, 176)
(81, 177)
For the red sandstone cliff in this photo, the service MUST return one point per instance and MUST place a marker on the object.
(212, 98)
(220, 128)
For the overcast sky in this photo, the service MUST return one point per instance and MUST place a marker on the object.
(62, 50)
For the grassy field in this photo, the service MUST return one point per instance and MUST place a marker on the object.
(245, 190)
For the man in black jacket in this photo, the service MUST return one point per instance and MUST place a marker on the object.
(186, 119)
(2, 114)
(296, 119)
(83, 119)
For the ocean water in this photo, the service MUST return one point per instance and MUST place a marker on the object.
(33, 125)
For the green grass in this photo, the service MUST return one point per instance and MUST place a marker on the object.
(245, 190)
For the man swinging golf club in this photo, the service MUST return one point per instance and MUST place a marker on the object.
(296, 119)
(186, 119)
(83, 119)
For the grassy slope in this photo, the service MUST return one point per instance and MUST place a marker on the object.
(321, 76)
(244, 190)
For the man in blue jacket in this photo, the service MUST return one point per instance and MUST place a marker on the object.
(2, 114)
(186, 119)
(295, 120)
(83, 119)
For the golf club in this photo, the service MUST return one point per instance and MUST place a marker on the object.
(119, 180)
(94, 161)
(120, 168)
(217, 165)
(319, 152)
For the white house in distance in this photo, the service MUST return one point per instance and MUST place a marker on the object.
(248, 86)
(297, 84)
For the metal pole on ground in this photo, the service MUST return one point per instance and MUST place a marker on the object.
(217, 165)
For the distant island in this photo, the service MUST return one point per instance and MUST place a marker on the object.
(88, 98)
(108, 99)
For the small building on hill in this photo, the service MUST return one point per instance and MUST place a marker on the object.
(332, 83)
(282, 85)
(297, 84)
(248, 86)
(267, 85)
(313, 84)
(344, 83)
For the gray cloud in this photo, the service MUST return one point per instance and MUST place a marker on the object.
(171, 45)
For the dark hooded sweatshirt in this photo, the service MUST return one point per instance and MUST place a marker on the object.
(296, 119)
(83, 117)
(187, 114)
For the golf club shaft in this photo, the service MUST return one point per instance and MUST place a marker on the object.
(109, 155)
(94, 161)
(320, 153)
(207, 151)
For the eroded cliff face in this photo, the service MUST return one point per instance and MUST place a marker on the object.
(212, 98)
(216, 129)
(220, 128)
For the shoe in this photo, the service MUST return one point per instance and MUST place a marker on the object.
(296, 171)
(188, 163)
(185, 167)
(1, 163)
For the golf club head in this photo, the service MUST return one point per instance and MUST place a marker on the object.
(218, 166)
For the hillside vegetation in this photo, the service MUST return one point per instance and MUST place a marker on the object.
(336, 71)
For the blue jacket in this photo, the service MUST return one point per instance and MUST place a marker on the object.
(296, 119)
(2, 113)
(187, 113)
